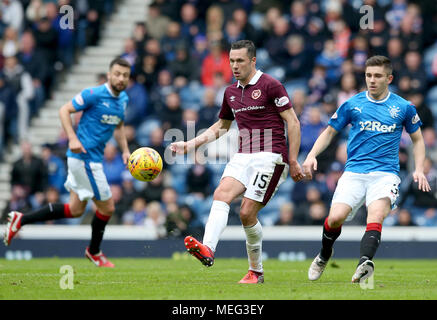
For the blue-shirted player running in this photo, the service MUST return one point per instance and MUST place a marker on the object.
(377, 118)
(103, 115)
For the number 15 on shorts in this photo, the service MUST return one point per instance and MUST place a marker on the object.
(261, 180)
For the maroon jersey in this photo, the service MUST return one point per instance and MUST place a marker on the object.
(256, 109)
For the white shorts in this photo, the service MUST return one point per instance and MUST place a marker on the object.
(261, 173)
(87, 179)
(354, 189)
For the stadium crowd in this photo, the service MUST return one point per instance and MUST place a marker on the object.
(180, 68)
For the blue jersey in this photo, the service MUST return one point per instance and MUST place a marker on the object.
(373, 143)
(102, 113)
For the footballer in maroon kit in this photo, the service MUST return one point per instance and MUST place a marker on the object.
(260, 105)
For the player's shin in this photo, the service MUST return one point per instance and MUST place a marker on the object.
(254, 247)
(328, 238)
(52, 211)
(98, 229)
(370, 242)
(217, 221)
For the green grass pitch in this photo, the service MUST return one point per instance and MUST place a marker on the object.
(185, 278)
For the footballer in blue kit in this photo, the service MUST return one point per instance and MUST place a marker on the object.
(103, 109)
(377, 118)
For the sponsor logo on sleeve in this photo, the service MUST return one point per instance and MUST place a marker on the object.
(415, 119)
(282, 101)
(79, 100)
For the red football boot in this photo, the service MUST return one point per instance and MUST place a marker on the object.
(253, 277)
(202, 252)
(13, 226)
(99, 259)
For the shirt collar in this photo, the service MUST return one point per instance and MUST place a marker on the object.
(254, 79)
(110, 91)
(377, 101)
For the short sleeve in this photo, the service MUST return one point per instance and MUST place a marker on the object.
(84, 99)
(280, 98)
(412, 121)
(340, 118)
(226, 111)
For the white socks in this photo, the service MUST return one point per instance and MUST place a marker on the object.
(217, 221)
(254, 236)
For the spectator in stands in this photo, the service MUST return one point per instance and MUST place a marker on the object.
(286, 215)
(311, 129)
(214, 20)
(113, 165)
(424, 112)
(172, 40)
(132, 142)
(178, 222)
(29, 171)
(156, 22)
(155, 220)
(19, 201)
(239, 16)
(8, 108)
(21, 84)
(199, 50)
(298, 64)
(315, 37)
(199, 178)
(184, 66)
(130, 53)
(216, 61)
(35, 64)
(171, 115)
(12, 13)
(317, 84)
(348, 88)
(169, 197)
(275, 44)
(209, 110)
(331, 59)
(405, 219)
(10, 42)
(140, 35)
(415, 71)
(411, 30)
(422, 202)
(317, 213)
(359, 53)
(430, 138)
(120, 204)
(395, 53)
(137, 108)
(191, 25)
(56, 170)
(233, 32)
(154, 189)
(342, 37)
(146, 74)
(137, 215)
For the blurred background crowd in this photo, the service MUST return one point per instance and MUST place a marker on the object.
(180, 68)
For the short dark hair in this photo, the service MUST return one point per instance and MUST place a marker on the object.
(249, 45)
(119, 61)
(380, 61)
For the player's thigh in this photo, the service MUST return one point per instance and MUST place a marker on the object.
(338, 214)
(378, 210)
(382, 193)
(249, 211)
(77, 206)
(228, 189)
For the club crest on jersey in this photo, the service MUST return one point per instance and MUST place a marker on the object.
(394, 111)
(256, 94)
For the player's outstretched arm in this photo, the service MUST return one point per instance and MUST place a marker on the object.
(319, 146)
(65, 115)
(293, 131)
(120, 137)
(212, 133)
(419, 158)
